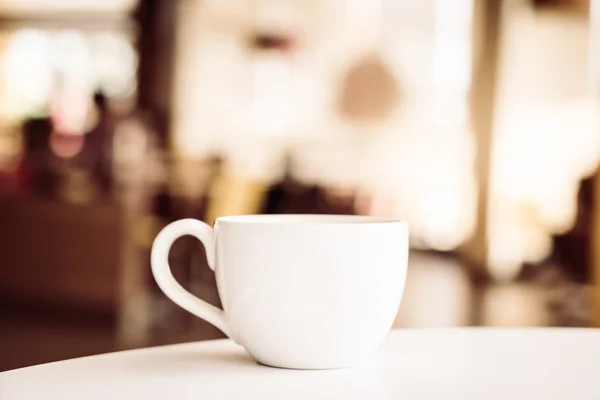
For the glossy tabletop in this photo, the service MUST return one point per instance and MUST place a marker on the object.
(470, 363)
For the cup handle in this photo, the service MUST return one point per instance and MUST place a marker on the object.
(167, 283)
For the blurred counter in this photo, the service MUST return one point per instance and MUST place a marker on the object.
(55, 253)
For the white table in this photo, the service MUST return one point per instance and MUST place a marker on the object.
(412, 364)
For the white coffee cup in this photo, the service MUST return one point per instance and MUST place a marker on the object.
(298, 291)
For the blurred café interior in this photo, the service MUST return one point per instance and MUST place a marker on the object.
(476, 121)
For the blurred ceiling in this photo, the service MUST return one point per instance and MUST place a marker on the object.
(22, 8)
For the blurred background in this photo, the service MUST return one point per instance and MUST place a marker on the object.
(477, 121)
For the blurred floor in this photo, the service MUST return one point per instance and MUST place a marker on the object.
(439, 292)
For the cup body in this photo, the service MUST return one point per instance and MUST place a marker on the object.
(310, 292)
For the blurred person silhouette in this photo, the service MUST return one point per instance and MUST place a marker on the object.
(96, 155)
(290, 196)
(36, 169)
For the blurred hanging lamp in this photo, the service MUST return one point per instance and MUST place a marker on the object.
(370, 91)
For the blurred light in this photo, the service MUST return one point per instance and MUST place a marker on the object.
(594, 46)
(506, 251)
(452, 49)
(71, 57)
(546, 135)
(540, 157)
(44, 66)
(27, 77)
(275, 16)
(442, 218)
(71, 112)
(272, 100)
(115, 64)
(362, 24)
(537, 245)
(66, 146)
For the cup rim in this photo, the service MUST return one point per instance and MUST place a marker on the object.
(307, 220)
